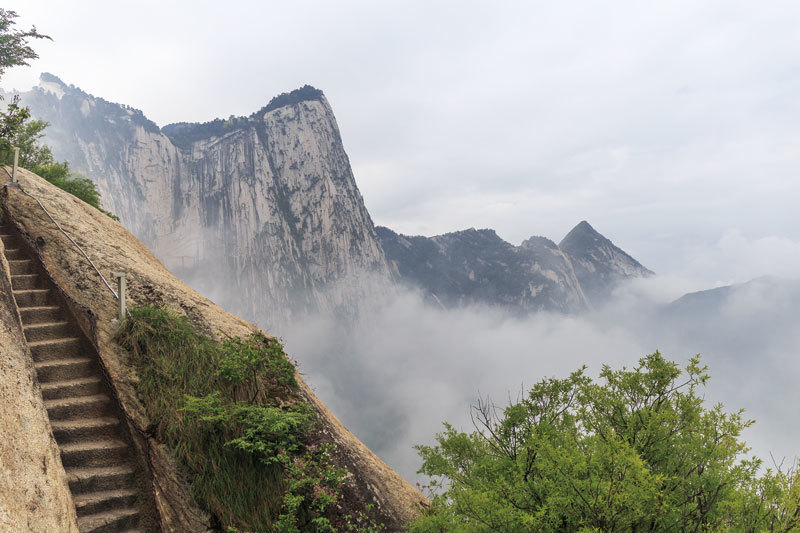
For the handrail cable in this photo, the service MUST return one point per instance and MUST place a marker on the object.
(67, 236)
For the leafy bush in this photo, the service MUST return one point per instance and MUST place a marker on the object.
(636, 452)
(16, 129)
(229, 413)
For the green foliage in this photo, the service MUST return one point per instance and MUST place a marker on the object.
(16, 129)
(227, 411)
(245, 359)
(312, 478)
(14, 47)
(635, 452)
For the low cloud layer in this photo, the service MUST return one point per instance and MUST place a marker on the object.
(397, 373)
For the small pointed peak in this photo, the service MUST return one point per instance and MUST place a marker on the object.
(46, 77)
(584, 227)
(581, 235)
(52, 84)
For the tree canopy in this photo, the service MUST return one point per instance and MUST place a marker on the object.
(635, 451)
(14, 47)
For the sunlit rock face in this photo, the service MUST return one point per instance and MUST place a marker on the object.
(599, 264)
(261, 213)
(478, 267)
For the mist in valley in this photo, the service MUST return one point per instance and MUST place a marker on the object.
(395, 373)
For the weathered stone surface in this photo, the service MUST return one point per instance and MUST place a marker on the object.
(599, 264)
(477, 266)
(34, 495)
(113, 249)
(260, 213)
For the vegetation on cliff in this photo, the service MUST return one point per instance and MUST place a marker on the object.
(229, 412)
(183, 134)
(635, 452)
(18, 130)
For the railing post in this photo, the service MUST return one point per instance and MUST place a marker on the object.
(16, 161)
(123, 310)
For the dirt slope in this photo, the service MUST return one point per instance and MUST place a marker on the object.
(113, 249)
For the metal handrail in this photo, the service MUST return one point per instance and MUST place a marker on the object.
(66, 235)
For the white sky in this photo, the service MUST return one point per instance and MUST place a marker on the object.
(671, 127)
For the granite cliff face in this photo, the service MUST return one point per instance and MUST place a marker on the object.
(477, 266)
(599, 264)
(261, 213)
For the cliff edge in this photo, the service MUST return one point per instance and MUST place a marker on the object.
(113, 249)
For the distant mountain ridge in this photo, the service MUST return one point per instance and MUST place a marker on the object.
(477, 266)
(262, 213)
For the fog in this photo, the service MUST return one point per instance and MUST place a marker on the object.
(396, 373)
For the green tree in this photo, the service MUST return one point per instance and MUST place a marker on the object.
(636, 451)
(17, 129)
(14, 47)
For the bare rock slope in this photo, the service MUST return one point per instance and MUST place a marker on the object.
(112, 249)
(477, 266)
(599, 264)
(260, 213)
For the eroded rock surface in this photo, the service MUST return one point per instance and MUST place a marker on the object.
(477, 266)
(113, 249)
(260, 213)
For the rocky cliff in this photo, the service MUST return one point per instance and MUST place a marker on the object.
(261, 213)
(599, 264)
(113, 249)
(477, 266)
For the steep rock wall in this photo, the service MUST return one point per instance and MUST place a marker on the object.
(261, 213)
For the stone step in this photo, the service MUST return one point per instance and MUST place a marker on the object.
(48, 331)
(66, 431)
(21, 266)
(108, 500)
(94, 478)
(64, 369)
(32, 297)
(109, 521)
(26, 281)
(72, 387)
(63, 348)
(45, 313)
(10, 239)
(94, 406)
(15, 253)
(94, 453)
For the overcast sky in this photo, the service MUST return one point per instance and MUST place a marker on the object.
(671, 127)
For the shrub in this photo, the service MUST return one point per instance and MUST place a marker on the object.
(229, 413)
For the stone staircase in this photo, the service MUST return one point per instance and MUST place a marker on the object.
(109, 488)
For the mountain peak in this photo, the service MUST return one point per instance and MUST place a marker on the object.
(305, 93)
(52, 84)
(46, 77)
(581, 236)
(599, 264)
